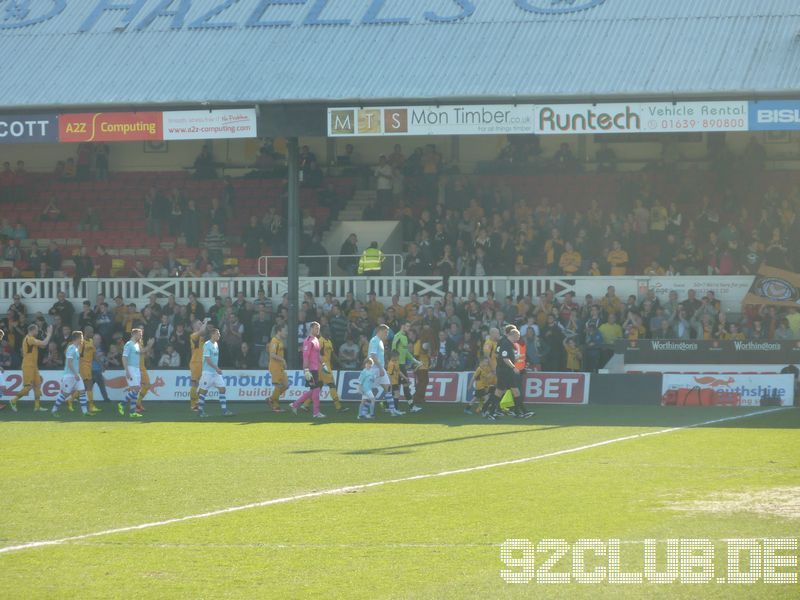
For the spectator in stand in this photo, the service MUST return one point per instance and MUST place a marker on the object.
(215, 244)
(553, 249)
(157, 271)
(606, 159)
(349, 354)
(252, 237)
(150, 216)
(51, 212)
(102, 262)
(384, 177)
(53, 360)
(7, 182)
(348, 259)
(21, 182)
(618, 259)
(84, 266)
(570, 261)
(90, 221)
(204, 165)
(170, 359)
(611, 330)
(191, 224)
(138, 270)
(12, 252)
(175, 214)
(217, 215)
(63, 309)
(564, 160)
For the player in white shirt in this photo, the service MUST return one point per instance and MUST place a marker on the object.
(212, 375)
(72, 381)
(133, 374)
(2, 376)
(377, 354)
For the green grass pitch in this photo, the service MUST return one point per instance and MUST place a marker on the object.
(436, 537)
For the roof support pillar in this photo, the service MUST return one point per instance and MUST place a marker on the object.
(293, 220)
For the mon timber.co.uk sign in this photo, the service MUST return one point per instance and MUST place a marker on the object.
(555, 119)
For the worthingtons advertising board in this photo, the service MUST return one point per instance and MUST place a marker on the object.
(431, 120)
(695, 352)
(551, 119)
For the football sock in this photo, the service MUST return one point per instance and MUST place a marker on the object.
(335, 397)
(193, 396)
(315, 399)
(84, 402)
(201, 401)
(59, 401)
(223, 401)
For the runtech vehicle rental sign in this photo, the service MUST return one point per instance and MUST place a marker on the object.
(656, 117)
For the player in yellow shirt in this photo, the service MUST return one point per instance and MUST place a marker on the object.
(31, 378)
(484, 381)
(87, 351)
(326, 374)
(490, 348)
(145, 386)
(422, 352)
(196, 341)
(396, 376)
(277, 367)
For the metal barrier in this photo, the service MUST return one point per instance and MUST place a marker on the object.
(39, 294)
(395, 261)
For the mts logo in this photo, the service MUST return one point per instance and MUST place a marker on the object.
(554, 388)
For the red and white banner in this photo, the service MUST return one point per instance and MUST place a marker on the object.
(555, 388)
(727, 390)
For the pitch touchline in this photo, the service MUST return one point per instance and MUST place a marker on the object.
(366, 486)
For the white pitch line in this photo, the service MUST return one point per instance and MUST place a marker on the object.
(374, 484)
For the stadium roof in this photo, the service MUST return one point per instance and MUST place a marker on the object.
(70, 53)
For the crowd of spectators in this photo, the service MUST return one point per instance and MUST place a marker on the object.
(559, 333)
(469, 225)
(454, 224)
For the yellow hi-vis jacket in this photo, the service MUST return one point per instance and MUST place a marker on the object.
(370, 260)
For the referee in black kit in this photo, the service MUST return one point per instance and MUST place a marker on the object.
(508, 375)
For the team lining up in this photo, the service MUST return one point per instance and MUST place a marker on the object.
(497, 380)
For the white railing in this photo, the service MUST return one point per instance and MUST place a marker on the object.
(462, 287)
(393, 262)
(729, 290)
(38, 295)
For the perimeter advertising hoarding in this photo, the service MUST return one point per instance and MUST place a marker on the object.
(695, 352)
(775, 115)
(646, 117)
(28, 129)
(256, 386)
(730, 291)
(554, 119)
(158, 126)
(210, 124)
(431, 120)
(545, 388)
(111, 127)
(727, 390)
